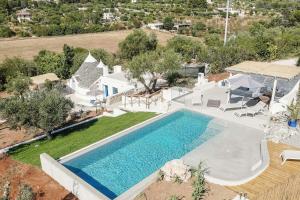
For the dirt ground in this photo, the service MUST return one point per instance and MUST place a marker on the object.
(163, 190)
(43, 186)
(29, 47)
(46, 188)
(218, 77)
(4, 94)
(10, 137)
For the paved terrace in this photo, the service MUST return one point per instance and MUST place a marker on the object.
(216, 93)
(233, 156)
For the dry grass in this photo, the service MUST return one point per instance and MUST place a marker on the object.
(234, 24)
(29, 47)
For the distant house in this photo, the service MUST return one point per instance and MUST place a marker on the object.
(178, 26)
(133, 1)
(55, 1)
(240, 13)
(23, 15)
(86, 81)
(93, 82)
(38, 82)
(160, 25)
(83, 9)
(155, 26)
(108, 16)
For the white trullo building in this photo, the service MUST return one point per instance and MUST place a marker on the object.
(86, 82)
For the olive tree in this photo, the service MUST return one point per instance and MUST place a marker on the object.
(11, 67)
(148, 67)
(188, 48)
(42, 109)
(137, 42)
(18, 84)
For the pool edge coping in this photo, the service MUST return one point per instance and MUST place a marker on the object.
(115, 136)
(135, 190)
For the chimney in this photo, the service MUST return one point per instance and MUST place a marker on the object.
(105, 70)
(117, 69)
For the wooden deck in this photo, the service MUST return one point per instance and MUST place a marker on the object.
(274, 175)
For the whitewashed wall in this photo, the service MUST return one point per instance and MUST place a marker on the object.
(68, 180)
(120, 85)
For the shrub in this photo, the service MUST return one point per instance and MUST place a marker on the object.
(6, 191)
(5, 31)
(175, 197)
(161, 175)
(168, 23)
(200, 187)
(26, 193)
(177, 180)
(172, 78)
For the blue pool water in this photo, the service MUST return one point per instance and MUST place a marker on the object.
(117, 166)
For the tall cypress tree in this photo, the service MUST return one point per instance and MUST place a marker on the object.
(68, 61)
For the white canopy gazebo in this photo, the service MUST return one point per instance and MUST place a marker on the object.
(267, 69)
(245, 81)
(239, 81)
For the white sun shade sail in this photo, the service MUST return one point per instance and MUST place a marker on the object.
(244, 81)
(265, 69)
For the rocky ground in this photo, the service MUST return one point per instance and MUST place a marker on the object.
(162, 190)
(43, 186)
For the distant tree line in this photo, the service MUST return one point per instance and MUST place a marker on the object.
(263, 41)
(51, 19)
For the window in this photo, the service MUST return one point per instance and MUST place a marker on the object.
(115, 90)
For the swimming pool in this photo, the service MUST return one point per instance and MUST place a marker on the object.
(122, 163)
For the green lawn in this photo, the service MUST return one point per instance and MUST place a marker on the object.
(72, 140)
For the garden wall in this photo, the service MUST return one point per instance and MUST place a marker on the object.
(68, 180)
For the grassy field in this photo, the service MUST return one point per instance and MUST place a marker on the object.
(28, 48)
(72, 140)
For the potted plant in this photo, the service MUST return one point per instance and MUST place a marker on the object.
(294, 114)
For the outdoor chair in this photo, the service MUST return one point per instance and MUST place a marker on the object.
(233, 106)
(213, 103)
(289, 155)
(254, 110)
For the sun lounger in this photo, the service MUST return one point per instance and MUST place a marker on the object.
(254, 110)
(289, 155)
(232, 106)
(213, 103)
